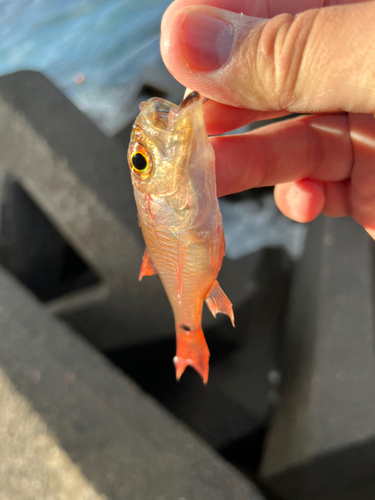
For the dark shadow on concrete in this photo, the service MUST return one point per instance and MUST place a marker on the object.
(147, 91)
(35, 252)
(214, 416)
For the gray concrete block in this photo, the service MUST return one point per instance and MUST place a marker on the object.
(79, 180)
(321, 444)
(71, 426)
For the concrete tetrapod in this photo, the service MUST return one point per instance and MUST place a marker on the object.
(72, 426)
(321, 444)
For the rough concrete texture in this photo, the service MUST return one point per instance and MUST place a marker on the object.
(32, 463)
(72, 425)
(321, 444)
(79, 179)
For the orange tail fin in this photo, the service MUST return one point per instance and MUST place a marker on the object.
(192, 351)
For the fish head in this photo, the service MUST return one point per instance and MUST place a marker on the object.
(165, 145)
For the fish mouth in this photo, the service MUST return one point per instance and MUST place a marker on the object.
(160, 116)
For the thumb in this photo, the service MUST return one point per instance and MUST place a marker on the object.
(320, 60)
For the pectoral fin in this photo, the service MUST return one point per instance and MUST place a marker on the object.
(148, 268)
(218, 302)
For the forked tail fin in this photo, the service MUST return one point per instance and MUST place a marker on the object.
(192, 351)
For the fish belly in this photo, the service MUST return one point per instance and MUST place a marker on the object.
(185, 270)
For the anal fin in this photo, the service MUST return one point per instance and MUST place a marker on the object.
(148, 268)
(218, 302)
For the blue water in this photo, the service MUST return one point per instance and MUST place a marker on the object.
(109, 41)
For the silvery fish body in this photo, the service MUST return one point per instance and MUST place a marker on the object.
(172, 166)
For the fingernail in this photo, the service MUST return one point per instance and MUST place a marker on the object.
(207, 41)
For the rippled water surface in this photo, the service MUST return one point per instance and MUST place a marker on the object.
(108, 42)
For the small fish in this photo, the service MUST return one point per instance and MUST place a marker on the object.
(172, 167)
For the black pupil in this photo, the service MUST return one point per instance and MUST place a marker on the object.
(139, 161)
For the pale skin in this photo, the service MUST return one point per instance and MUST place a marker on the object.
(260, 59)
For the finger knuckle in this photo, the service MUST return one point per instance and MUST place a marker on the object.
(283, 45)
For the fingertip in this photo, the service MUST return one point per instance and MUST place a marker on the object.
(164, 19)
(197, 42)
(301, 201)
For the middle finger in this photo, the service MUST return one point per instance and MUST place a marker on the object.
(317, 147)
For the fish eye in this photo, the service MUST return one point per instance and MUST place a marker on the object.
(140, 161)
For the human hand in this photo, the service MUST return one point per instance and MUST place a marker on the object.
(276, 58)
